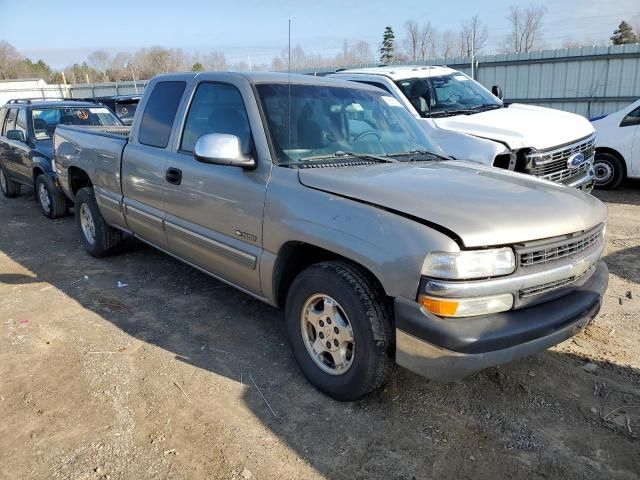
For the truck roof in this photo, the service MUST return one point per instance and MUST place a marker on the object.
(401, 72)
(268, 77)
(51, 103)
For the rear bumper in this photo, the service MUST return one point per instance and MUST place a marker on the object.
(450, 349)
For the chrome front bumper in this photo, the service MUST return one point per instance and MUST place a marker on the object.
(450, 349)
(585, 183)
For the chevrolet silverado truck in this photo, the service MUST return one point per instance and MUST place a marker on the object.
(471, 123)
(26, 145)
(327, 198)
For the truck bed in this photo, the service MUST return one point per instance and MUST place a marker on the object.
(94, 150)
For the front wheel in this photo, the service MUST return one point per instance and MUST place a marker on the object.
(339, 325)
(98, 238)
(609, 171)
(52, 202)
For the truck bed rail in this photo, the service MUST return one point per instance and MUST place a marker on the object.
(112, 131)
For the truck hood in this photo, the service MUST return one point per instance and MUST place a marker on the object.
(483, 206)
(521, 126)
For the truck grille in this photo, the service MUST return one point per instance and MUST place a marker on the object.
(552, 164)
(535, 256)
(546, 287)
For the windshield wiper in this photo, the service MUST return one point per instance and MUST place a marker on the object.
(487, 106)
(448, 113)
(342, 154)
(416, 152)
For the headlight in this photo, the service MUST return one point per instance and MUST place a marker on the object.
(470, 264)
(466, 307)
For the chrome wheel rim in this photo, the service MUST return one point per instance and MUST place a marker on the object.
(43, 195)
(3, 181)
(86, 222)
(603, 171)
(327, 334)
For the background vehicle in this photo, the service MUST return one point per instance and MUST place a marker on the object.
(617, 146)
(26, 145)
(328, 199)
(471, 123)
(124, 106)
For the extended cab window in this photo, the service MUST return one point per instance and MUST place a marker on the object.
(216, 108)
(159, 114)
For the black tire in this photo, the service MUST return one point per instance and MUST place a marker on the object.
(610, 170)
(53, 203)
(370, 316)
(9, 188)
(105, 238)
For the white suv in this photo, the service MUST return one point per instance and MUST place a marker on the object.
(469, 122)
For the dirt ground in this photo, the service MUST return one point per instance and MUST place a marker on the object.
(177, 376)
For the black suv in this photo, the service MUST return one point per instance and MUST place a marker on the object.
(124, 106)
(26, 145)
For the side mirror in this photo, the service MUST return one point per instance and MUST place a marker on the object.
(15, 135)
(497, 91)
(221, 149)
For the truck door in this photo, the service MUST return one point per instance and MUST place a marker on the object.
(12, 148)
(144, 159)
(214, 212)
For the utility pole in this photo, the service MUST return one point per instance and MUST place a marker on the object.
(133, 75)
(473, 52)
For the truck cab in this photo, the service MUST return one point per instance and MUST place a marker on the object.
(26, 145)
(471, 123)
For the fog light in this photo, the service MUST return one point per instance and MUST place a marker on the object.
(466, 307)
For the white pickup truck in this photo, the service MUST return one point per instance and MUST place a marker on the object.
(469, 122)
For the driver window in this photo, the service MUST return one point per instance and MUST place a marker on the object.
(216, 108)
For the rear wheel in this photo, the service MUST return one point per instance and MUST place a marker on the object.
(609, 170)
(339, 325)
(9, 188)
(98, 238)
(52, 202)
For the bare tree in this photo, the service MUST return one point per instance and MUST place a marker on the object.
(215, 60)
(9, 56)
(361, 52)
(412, 40)
(473, 37)
(120, 67)
(526, 26)
(447, 44)
(427, 41)
(99, 60)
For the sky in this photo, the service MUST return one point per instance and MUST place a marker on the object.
(63, 32)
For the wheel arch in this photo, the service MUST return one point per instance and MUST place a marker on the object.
(78, 179)
(294, 256)
(616, 154)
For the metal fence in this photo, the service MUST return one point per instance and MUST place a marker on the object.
(587, 80)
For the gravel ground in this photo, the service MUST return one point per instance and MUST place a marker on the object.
(177, 376)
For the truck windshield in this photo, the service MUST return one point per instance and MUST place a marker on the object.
(45, 120)
(447, 95)
(311, 122)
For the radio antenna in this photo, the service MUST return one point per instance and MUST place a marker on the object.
(289, 84)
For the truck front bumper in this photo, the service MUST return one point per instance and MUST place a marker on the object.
(450, 349)
(585, 183)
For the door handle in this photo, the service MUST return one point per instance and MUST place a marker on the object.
(173, 175)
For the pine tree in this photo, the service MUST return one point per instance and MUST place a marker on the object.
(387, 49)
(623, 34)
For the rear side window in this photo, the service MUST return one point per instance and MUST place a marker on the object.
(160, 113)
(632, 118)
(10, 122)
